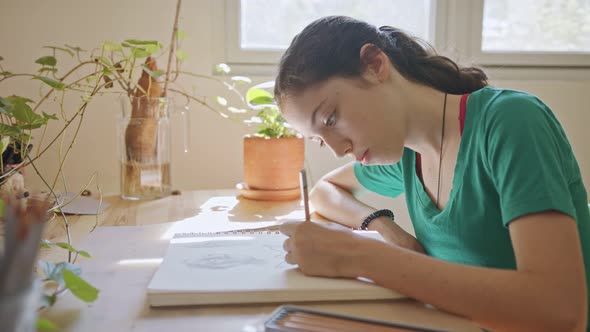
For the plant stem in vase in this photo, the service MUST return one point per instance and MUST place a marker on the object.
(145, 169)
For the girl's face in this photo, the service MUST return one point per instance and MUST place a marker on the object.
(352, 116)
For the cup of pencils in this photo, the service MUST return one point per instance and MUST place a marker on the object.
(22, 227)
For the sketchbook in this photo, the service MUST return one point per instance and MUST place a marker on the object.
(246, 267)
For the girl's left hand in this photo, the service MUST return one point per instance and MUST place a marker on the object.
(324, 249)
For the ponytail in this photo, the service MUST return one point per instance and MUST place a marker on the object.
(417, 61)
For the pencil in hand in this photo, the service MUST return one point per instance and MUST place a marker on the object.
(304, 194)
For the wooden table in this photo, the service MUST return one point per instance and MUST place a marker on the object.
(122, 305)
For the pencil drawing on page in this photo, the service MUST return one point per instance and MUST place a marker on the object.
(227, 257)
(222, 261)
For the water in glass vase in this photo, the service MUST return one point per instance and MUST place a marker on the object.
(145, 181)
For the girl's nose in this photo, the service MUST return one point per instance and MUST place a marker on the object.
(341, 149)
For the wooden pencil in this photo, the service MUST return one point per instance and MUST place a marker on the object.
(304, 193)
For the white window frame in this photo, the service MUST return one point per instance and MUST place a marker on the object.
(235, 54)
(519, 59)
(457, 28)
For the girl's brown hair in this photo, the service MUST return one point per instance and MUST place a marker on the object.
(330, 47)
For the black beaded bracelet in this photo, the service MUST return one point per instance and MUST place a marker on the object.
(375, 215)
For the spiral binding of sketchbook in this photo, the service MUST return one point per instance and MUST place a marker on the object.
(245, 267)
(235, 232)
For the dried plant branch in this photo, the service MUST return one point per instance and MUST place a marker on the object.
(172, 47)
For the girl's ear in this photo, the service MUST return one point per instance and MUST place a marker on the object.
(376, 64)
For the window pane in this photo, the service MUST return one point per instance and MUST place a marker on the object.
(272, 24)
(536, 26)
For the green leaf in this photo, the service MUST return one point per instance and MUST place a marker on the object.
(139, 53)
(47, 69)
(48, 60)
(152, 48)
(241, 79)
(142, 42)
(222, 68)
(5, 73)
(141, 47)
(46, 244)
(105, 61)
(267, 132)
(8, 131)
(55, 272)
(50, 116)
(57, 85)
(16, 99)
(180, 34)
(181, 55)
(84, 253)
(4, 143)
(2, 205)
(112, 47)
(259, 97)
(36, 123)
(91, 79)
(107, 65)
(60, 49)
(80, 288)
(14, 103)
(45, 325)
(154, 74)
(23, 113)
(5, 106)
(67, 246)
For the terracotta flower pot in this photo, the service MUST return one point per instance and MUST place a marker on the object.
(273, 163)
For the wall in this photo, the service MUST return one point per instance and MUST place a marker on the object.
(214, 159)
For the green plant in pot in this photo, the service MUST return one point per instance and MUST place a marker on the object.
(274, 155)
(17, 122)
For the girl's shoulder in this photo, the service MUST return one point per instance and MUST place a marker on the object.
(491, 105)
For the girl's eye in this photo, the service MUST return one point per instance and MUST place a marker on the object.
(331, 120)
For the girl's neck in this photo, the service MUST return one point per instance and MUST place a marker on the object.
(424, 120)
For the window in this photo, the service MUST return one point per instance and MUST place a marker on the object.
(536, 26)
(261, 30)
(532, 32)
(553, 33)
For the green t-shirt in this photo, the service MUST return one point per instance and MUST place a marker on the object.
(514, 159)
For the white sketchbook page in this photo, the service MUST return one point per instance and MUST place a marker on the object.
(228, 263)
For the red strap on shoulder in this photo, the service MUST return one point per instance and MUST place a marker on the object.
(462, 112)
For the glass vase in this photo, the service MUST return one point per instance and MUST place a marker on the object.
(144, 147)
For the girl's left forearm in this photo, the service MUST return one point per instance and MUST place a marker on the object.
(495, 298)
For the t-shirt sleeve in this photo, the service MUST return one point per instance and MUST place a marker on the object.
(527, 153)
(386, 180)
